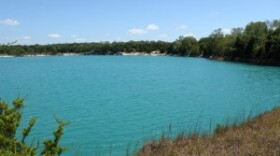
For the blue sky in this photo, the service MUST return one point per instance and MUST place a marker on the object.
(61, 21)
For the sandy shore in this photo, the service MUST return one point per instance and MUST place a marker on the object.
(37, 55)
(153, 53)
(70, 54)
(43, 55)
(6, 56)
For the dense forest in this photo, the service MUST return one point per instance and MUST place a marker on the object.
(258, 42)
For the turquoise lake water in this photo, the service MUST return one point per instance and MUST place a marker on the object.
(116, 102)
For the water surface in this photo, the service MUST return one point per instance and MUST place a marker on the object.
(114, 102)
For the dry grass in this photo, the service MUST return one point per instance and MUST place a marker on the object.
(256, 136)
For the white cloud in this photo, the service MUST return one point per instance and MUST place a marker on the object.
(181, 27)
(137, 31)
(152, 27)
(54, 35)
(226, 31)
(26, 37)
(189, 35)
(9, 22)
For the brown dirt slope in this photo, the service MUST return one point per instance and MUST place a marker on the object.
(256, 136)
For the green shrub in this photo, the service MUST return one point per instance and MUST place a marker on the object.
(10, 118)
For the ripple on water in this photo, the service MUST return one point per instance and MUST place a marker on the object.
(113, 102)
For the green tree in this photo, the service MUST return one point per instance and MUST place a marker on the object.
(255, 35)
(190, 46)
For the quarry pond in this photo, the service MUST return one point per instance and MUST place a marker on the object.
(118, 102)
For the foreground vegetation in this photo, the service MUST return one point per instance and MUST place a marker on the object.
(10, 145)
(256, 136)
(258, 42)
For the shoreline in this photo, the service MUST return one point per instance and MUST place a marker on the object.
(6, 56)
(257, 135)
(254, 61)
(43, 55)
(153, 53)
(257, 61)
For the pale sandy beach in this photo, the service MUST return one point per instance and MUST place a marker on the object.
(153, 53)
(6, 56)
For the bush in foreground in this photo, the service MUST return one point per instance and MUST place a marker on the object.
(10, 145)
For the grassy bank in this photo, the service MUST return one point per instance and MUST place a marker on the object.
(256, 136)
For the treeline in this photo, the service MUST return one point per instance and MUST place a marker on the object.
(258, 40)
(101, 48)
